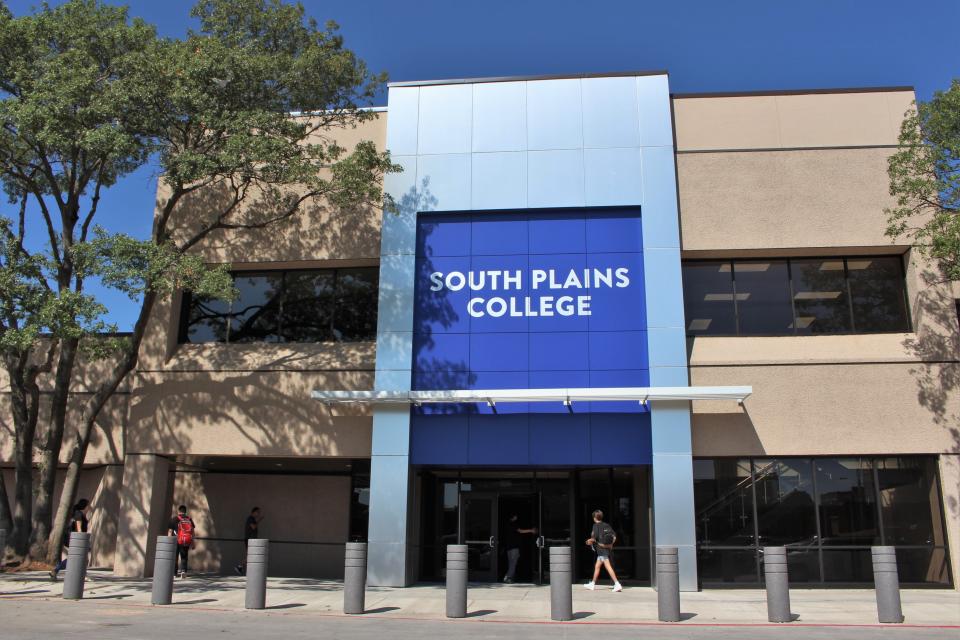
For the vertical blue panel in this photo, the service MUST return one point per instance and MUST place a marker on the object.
(440, 439)
(559, 439)
(445, 119)
(610, 114)
(499, 180)
(612, 177)
(499, 439)
(617, 438)
(555, 179)
(499, 234)
(403, 120)
(560, 232)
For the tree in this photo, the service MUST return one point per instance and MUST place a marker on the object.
(925, 180)
(238, 110)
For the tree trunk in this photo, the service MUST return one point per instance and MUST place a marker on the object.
(50, 450)
(78, 452)
(23, 466)
(6, 518)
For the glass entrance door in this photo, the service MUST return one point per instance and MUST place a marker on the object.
(478, 531)
(555, 529)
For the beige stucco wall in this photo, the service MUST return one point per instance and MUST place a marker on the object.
(788, 121)
(306, 517)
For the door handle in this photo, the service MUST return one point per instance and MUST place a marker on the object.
(540, 542)
(492, 543)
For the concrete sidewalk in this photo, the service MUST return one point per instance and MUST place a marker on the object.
(500, 603)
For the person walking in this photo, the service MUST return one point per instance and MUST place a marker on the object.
(512, 538)
(601, 540)
(79, 524)
(181, 526)
(251, 529)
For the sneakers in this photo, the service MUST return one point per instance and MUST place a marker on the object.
(183, 574)
(590, 586)
(508, 580)
(239, 570)
(617, 587)
(53, 575)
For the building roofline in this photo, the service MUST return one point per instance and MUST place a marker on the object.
(559, 76)
(791, 92)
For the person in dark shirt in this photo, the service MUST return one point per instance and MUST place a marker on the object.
(512, 539)
(250, 530)
(181, 526)
(602, 538)
(79, 524)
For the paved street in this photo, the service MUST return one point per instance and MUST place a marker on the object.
(212, 605)
(102, 619)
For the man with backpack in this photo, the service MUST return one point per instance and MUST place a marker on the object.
(181, 525)
(602, 538)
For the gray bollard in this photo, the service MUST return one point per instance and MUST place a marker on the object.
(776, 577)
(887, 584)
(258, 552)
(3, 545)
(163, 565)
(668, 585)
(456, 581)
(355, 577)
(561, 583)
(77, 554)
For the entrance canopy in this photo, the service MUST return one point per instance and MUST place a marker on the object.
(492, 397)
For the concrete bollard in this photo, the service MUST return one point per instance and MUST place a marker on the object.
(355, 577)
(77, 554)
(3, 545)
(258, 552)
(165, 559)
(668, 585)
(456, 581)
(561, 583)
(776, 577)
(887, 584)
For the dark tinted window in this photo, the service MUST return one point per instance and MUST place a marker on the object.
(877, 293)
(763, 297)
(848, 509)
(708, 292)
(820, 296)
(828, 512)
(798, 296)
(288, 306)
(256, 311)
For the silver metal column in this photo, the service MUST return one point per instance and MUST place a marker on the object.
(775, 576)
(456, 581)
(258, 554)
(164, 560)
(561, 583)
(77, 554)
(887, 584)
(668, 585)
(354, 577)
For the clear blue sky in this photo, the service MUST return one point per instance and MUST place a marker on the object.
(706, 45)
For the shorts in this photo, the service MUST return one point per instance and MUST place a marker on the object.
(603, 556)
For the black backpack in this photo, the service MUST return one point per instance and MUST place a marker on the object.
(605, 534)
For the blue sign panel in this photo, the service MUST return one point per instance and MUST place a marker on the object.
(530, 300)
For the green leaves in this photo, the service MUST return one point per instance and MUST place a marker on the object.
(925, 180)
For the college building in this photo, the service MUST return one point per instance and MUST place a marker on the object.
(590, 293)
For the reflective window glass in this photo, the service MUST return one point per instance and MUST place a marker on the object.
(708, 298)
(820, 298)
(877, 294)
(726, 566)
(763, 297)
(909, 501)
(256, 311)
(356, 305)
(291, 306)
(308, 306)
(723, 499)
(848, 509)
(785, 502)
(206, 319)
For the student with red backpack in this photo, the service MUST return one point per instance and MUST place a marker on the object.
(181, 525)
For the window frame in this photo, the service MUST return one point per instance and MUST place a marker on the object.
(908, 316)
